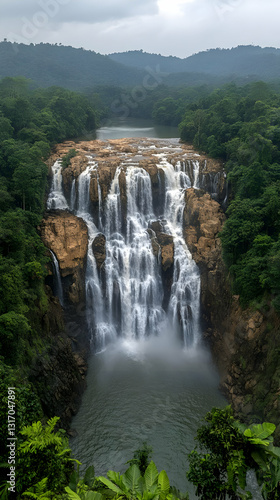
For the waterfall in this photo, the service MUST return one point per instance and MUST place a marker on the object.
(125, 297)
(98, 328)
(185, 292)
(58, 290)
(73, 196)
(133, 285)
(56, 199)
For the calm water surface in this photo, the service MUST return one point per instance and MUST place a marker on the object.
(145, 390)
(133, 127)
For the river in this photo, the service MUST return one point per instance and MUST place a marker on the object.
(134, 127)
(150, 389)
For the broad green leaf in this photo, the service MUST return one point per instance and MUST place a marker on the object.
(163, 483)
(151, 475)
(275, 472)
(74, 479)
(89, 476)
(273, 450)
(259, 441)
(260, 458)
(114, 476)
(148, 495)
(260, 431)
(131, 477)
(93, 495)
(71, 494)
(109, 484)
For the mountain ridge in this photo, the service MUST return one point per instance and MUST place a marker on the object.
(78, 69)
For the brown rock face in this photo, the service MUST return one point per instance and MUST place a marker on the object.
(243, 341)
(66, 235)
(99, 249)
(167, 250)
(203, 220)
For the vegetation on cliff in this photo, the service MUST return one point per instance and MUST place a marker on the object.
(241, 125)
(31, 122)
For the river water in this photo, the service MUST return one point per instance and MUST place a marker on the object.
(134, 127)
(156, 388)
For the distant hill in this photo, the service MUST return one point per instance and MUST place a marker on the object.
(68, 67)
(243, 61)
(78, 69)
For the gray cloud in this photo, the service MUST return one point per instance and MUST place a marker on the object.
(109, 26)
(87, 11)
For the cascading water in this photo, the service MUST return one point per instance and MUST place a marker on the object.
(143, 385)
(132, 274)
(131, 306)
(58, 284)
(56, 199)
(129, 301)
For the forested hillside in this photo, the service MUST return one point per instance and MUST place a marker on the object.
(75, 69)
(80, 69)
(31, 122)
(249, 61)
(241, 125)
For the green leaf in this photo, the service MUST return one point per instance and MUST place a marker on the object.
(109, 484)
(114, 476)
(163, 483)
(273, 450)
(259, 441)
(260, 458)
(89, 476)
(260, 432)
(71, 494)
(131, 477)
(93, 495)
(151, 475)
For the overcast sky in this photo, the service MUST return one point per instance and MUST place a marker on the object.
(168, 27)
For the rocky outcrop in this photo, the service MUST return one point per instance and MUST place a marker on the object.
(59, 377)
(203, 220)
(56, 372)
(163, 246)
(99, 249)
(66, 235)
(244, 342)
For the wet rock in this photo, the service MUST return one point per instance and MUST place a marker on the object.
(99, 249)
(167, 250)
(67, 236)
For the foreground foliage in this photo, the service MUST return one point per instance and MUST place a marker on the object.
(227, 450)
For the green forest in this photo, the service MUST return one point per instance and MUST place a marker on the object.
(31, 122)
(241, 125)
(238, 124)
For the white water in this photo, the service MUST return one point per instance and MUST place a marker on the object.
(58, 283)
(141, 383)
(56, 199)
(128, 303)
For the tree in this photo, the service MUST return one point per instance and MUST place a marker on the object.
(228, 450)
(44, 453)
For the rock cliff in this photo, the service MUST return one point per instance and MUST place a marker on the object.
(203, 220)
(245, 342)
(67, 236)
